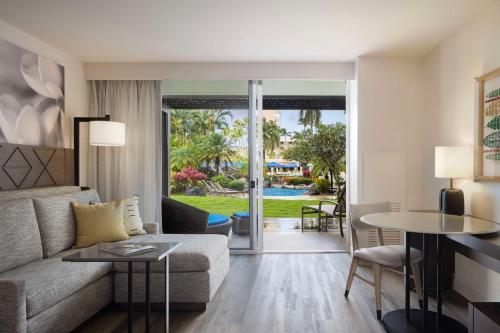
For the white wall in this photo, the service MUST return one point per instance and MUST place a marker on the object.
(76, 100)
(389, 119)
(450, 94)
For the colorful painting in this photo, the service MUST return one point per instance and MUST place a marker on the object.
(31, 98)
(488, 127)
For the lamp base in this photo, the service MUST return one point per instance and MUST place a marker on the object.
(451, 201)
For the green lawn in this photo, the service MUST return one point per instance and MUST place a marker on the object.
(227, 205)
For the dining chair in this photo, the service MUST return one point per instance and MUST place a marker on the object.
(382, 257)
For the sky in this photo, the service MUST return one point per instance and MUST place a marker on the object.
(289, 118)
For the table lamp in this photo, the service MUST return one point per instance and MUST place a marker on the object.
(453, 162)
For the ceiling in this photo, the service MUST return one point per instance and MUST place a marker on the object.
(239, 30)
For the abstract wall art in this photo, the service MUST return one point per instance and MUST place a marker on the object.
(31, 98)
(488, 127)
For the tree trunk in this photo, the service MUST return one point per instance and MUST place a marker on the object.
(217, 165)
(331, 180)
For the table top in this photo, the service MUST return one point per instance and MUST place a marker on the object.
(96, 254)
(431, 223)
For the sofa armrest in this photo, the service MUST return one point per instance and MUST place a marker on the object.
(12, 306)
(152, 228)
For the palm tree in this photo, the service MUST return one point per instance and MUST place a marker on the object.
(217, 148)
(271, 134)
(184, 156)
(311, 118)
(210, 120)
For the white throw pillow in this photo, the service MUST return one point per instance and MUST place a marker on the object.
(132, 218)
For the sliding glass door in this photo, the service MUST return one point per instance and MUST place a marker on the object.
(255, 155)
(213, 156)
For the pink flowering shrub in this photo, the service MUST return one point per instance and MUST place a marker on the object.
(188, 177)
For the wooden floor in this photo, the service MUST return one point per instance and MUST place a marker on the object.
(298, 241)
(284, 293)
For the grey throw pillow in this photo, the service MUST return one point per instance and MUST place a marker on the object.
(56, 220)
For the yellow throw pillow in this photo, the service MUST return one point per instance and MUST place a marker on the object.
(99, 223)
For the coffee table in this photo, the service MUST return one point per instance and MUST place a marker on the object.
(412, 320)
(96, 254)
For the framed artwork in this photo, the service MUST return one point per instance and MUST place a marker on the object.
(488, 127)
(31, 98)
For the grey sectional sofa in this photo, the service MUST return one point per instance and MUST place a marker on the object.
(41, 293)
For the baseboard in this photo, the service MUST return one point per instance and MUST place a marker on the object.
(159, 307)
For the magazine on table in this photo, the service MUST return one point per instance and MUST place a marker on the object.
(129, 249)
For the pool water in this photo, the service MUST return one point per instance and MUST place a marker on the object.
(285, 192)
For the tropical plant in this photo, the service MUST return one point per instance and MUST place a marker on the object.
(184, 156)
(188, 125)
(237, 185)
(301, 150)
(325, 149)
(188, 177)
(237, 130)
(297, 180)
(271, 133)
(328, 147)
(311, 118)
(322, 185)
(216, 148)
(222, 180)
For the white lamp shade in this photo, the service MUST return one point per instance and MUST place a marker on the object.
(454, 162)
(106, 133)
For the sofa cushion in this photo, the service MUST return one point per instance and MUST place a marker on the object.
(197, 253)
(37, 192)
(48, 281)
(99, 223)
(19, 236)
(216, 219)
(56, 220)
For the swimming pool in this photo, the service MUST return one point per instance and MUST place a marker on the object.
(285, 192)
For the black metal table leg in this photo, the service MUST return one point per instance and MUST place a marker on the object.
(422, 320)
(407, 276)
(425, 283)
(148, 301)
(130, 304)
(166, 296)
(439, 296)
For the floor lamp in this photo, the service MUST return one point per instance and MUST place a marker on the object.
(102, 132)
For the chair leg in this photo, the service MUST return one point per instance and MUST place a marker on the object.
(302, 220)
(415, 268)
(377, 278)
(340, 226)
(350, 278)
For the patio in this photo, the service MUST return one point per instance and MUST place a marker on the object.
(283, 235)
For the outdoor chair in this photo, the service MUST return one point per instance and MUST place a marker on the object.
(382, 257)
(227, 191)
(216, 189)
(241, 223)
(325, 210)
(181, 218)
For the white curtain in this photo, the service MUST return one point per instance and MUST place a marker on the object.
(119, 172)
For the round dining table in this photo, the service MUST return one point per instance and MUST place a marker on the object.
(428, 224)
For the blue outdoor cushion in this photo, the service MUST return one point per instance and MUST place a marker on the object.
(214, 219)
(242, 214)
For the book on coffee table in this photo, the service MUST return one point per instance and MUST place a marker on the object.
(129, 249)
